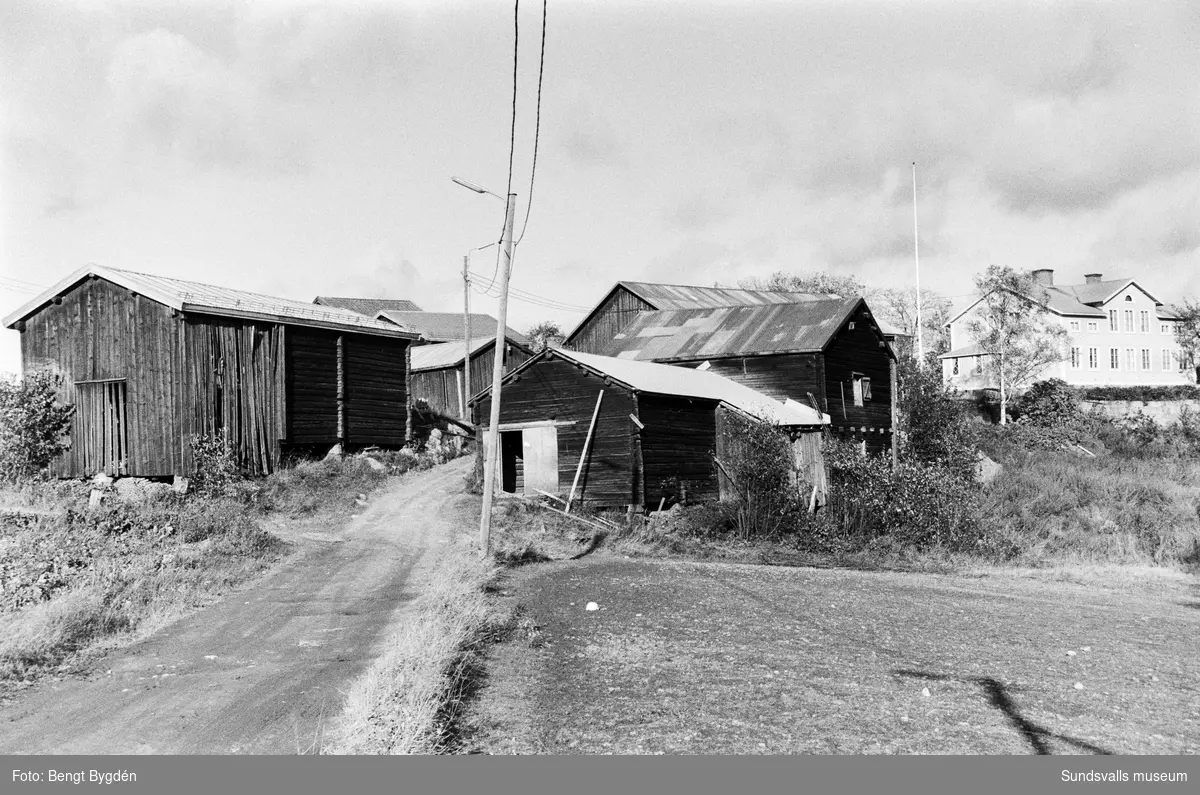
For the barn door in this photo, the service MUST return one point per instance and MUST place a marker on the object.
(101, 427)
(539, 449)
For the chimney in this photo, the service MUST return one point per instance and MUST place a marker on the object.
(1092, 278)
(1043, 276)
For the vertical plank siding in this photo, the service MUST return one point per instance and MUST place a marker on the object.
(376, 390)
(857, 351)
(678, 442)
(438, 388)
(613, 315)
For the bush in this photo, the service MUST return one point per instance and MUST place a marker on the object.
(761, 470)
(33, 425)
(215, 464)
(935, 425)
(1142, 393)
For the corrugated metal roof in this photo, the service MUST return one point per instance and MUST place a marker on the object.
(367, 306)
(663, 379)
(444, 354)
(693, 334)
(447, 326)
(682, 296)
(189, 296)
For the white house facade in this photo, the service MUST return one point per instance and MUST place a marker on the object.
(1119, 335)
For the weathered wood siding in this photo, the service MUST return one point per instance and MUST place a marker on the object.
(234, 385)
(376, 390)
(613, 315)
(858, 351)
(678, 442)
(100, 331)
(555, 389)
(312, 386)
(441, 388)
(778, 376)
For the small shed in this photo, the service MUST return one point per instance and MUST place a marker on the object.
(149, 361)
(619, 433)
(438, 377)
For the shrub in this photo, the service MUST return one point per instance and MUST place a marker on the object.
(760, 466)
(33, 425)
(1142, 393)
(935, 426)
(215, 464)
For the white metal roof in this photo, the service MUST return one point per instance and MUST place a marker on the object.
(665, 379)
(209, 299)
(444, 354)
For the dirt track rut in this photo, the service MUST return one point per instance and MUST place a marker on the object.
(264, 670)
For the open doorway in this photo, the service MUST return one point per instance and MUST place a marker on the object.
(529, 460)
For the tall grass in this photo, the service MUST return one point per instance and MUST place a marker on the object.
(408, 700)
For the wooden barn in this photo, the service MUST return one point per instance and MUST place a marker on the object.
(621, 433)
(438, 377)
(148, 362)
(832, 349)
(367, 306)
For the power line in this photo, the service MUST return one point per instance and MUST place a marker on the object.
(537, 126)
(530, 297)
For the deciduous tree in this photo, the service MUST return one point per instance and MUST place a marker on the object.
(1187, 334)
(545, 334)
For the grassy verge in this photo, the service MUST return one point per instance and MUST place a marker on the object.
(409, 701)
(76, 580)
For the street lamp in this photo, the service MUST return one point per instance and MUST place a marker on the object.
(492, 445)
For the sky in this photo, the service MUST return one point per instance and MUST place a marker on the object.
(303, 149)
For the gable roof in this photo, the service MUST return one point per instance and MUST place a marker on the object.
(687, 382)
(447, 326)
(367, 306)
(691, 334)
(209, 299)
(444, 354)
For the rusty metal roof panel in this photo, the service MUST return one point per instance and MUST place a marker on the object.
(682, 296)
(693, 334)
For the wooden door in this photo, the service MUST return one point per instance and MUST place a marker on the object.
(539, 449)
(101, 427)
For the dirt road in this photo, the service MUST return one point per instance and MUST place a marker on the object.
(688, 657)
(264, 670)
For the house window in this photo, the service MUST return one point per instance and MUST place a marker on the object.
(955, 371)
(1145, 322)
(1093, 327)
(1166, 360)
(1112, 320)
(1128, 319)
(1114, 359)
(1093, 358)
(1130, 361)
(1074, 358)
(1129, 298)
(1074, 325)
(862, 389)
(1145, 358)
(1165, 328)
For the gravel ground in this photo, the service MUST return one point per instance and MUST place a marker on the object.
(711, 658)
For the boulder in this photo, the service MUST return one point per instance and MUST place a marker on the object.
(986, 470)
(140, 489)
(334, 452)
(375, 464)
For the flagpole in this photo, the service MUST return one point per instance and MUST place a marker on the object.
(917, 261)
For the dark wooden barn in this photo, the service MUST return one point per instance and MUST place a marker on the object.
(832, 349)
(644, 432)
(437, 371)
(148, 362)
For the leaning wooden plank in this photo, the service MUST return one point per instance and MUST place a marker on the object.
(581, 519)
(584, 453)
(554, 497)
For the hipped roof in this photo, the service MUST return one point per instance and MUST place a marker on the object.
(208, 299)
(686, 382)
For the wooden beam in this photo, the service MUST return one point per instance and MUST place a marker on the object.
(341, 391)
(586, 446)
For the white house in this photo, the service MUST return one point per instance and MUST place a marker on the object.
(1119, 334)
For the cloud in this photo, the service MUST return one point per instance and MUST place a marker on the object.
(182, 104)
(1159, 221)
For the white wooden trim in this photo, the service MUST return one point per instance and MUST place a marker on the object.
(520, 426)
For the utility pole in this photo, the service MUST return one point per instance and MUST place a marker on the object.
(466, 337)
(492, 448)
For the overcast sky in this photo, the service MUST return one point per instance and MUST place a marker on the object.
(304, 149)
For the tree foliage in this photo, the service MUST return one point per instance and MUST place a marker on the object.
(545, 334)
(812, 282)
(934, 425)
(1016, 331)
(33, 425)
(1187, 333)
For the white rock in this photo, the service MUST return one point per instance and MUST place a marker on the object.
(592, 606)
(1079, 685)
(1071, 653)
(1087, 648)
(925, 692)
